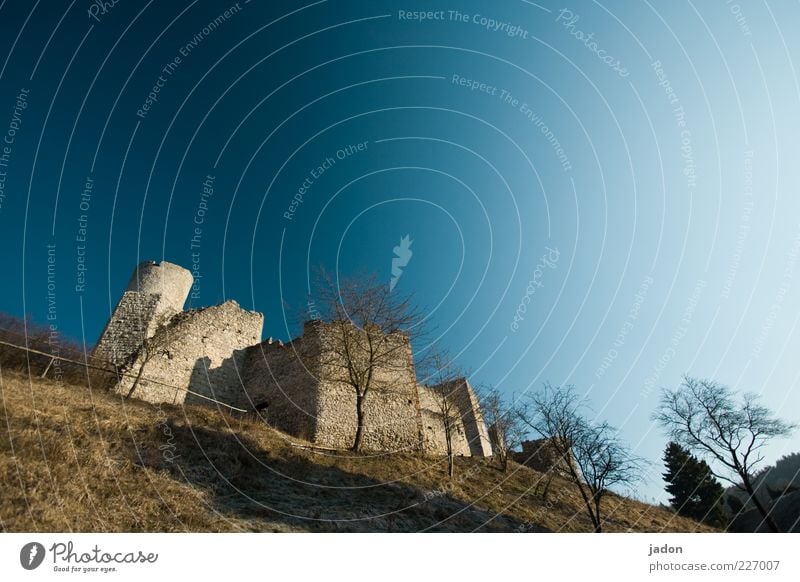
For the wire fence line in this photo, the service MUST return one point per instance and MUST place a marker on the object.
(102, 365)
(115, 371)
(82, 359)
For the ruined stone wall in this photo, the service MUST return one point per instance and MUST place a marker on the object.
(133, 320)
(283, 380)
(541, 455)
(300, 388)
(474, 426)
(392, 419)
(201, 350)
(155, 293)
(434, 437)
(303, 385)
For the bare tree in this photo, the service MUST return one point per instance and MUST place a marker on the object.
(506, 429)
(705, 417)
(592, 456)
(442, 374)
(151, 346)
(604, 461)
(368, 331)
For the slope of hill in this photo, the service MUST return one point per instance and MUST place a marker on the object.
(73, 459)
(785, 510)
(778, 488)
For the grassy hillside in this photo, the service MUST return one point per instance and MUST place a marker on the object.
(72, 459)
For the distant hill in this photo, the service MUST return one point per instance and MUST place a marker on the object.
(786, 472)
(783, 477)
(72, 459)
(785, 510)
(777, 487)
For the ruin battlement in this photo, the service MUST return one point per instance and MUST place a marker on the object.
(216, 354)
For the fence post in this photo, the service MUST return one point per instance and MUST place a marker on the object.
(47, 369)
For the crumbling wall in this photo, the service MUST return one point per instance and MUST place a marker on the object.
(155, 293)
(303, 389)
(392, 419)
(474, 426)
(282, 382)
(200, 350)
(433, 432)
(300, 388)
(133, 320)
(541, 455)
(172, 282)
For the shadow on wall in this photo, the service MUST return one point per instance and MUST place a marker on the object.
(271, 488)
(223, 383)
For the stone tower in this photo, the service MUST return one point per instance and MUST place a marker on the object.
(303, 391)
(156, 292)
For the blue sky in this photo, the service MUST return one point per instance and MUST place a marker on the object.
(598, 195)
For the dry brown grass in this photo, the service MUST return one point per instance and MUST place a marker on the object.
(75, 459)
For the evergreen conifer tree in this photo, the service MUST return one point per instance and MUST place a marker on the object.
(695, 493)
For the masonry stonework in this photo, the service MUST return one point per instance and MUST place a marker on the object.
(543, 456)
(197, 355)
(155, 293)
(282, 381)
(391, 407)
(133, 321)
(212, 354)
(302, 390)
(474, 426)
(434, 437)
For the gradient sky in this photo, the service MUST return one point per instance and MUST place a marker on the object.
(626, 173)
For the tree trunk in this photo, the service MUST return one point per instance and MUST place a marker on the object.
(547, 486)
(761, 509)
(360, 420)
(448, 439)
(598, 526)
(588, 503)
(136, 380)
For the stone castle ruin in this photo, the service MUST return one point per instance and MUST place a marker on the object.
(168, 355)
(543, 456)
